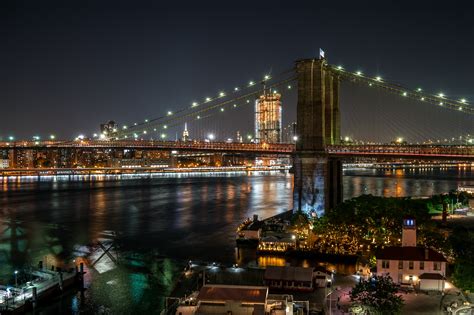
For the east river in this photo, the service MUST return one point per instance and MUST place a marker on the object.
(170, 219)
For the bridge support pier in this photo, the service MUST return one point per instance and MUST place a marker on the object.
(318, 177)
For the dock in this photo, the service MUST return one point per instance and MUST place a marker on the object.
(44, 284)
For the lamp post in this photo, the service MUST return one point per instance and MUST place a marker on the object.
(16, 278)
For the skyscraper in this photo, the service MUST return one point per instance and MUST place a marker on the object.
(268, 118)
(185, 133)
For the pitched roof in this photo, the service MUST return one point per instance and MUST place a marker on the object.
(244, 294)
(432, 276)
(288, 273)
(409, 253)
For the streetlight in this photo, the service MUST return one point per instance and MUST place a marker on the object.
(295, 138)
(16, 278)
(11, 138)
(52, 137)
(211, 136)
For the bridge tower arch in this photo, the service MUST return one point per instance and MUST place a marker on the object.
(318, 177)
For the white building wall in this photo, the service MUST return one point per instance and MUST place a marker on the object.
(403, 275)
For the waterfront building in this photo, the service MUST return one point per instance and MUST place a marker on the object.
(236, 300)
(419, 266)
(277, 242)
(289, 278)
(268, 118)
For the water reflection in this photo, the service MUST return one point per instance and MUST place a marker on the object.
(179, 217)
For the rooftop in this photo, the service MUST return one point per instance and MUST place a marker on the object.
(243, 294)
(288, 273)
(409, 253)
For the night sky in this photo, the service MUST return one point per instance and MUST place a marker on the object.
(67, 66)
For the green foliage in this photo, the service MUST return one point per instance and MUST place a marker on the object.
(377, 295)
(462, 242)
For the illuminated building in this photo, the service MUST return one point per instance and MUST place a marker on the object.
(4, 163)
(410, 264)
(185, 133)
(268, 118)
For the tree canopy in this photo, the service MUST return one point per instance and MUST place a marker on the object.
(378, 295)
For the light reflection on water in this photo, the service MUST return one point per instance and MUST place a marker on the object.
(181, 217)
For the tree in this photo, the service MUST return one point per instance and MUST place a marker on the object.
(462, 242)
(377, 296)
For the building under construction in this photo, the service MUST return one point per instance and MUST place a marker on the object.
(268, 118)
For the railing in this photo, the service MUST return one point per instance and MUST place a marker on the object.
(151, 144)
(442, 151)
(403, 151)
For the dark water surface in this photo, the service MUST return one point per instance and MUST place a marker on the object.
(179, 217)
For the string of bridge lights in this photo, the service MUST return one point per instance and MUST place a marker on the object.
(125, 131)
(440, 98)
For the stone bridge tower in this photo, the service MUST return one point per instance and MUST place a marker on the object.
(318, 178)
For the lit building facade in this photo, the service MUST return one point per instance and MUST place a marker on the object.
(268, 118)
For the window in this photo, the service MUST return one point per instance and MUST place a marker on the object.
(400, 264)
(385, 264)
(422, 265)
(410, 265)
(437, 265)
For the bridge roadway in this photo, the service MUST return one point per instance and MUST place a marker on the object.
(435, 152)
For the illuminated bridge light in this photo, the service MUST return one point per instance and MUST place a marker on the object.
(463, 100)
(135, 124)
(422, 98)
(198, 117)
(339, 68)
(359, 72)
(236, 89)
(460, 108)
(208, 99)
(52, 137)
(222, 109)
(419, 90)
(146, 120)
(165, 126)
(221, 94)
(154, 129)
(378, 79)
(163, 136)
(267, 77)
(251, 83)
(235, 105)
(440, 103)
(440, 95)
(170, 113)
(289, 87)
(248, 101)
(370, 84)
(124, 127)
(405, 94)
(195, 104)
(144, 132)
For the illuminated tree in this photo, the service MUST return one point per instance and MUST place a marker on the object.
(377, 295)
